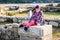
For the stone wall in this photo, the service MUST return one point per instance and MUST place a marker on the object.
(54, 22)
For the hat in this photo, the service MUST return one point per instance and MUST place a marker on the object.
(37, 6)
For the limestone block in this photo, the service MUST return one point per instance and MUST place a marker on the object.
(53, 23)
(29, 38)
(2, 20)
(36, 31)
(15, 20)
(47, 37)
(20, 21)
(41, 30)
(46, 22)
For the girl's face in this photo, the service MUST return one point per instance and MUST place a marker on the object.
(37, 9)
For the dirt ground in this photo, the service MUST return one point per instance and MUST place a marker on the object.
(56, 34)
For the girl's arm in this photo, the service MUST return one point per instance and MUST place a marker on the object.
(42, 13)
(40, 18)
(32, 17)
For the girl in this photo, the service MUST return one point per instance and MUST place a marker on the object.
(36, 19)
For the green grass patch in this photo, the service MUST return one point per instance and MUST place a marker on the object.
(10, 14)
(58, 27)
(24, 12)
(5, 23)
(52, 13)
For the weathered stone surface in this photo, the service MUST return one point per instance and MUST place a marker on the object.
(53, 23)
(37, 30)
(9, 32)
(2, 20)
(47, 37)
(15, 19)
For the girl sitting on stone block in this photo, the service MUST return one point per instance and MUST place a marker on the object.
(36, 19)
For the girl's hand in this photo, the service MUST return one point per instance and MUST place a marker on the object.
(38, 24)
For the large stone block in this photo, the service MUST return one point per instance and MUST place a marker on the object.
(29, 38)
(47, 37)
(41, 30)
(36, 31)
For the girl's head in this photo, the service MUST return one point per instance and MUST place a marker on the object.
(37, 8)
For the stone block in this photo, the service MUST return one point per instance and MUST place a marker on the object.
(15, 19)
(41, 30)
(47, 37)
(36, 31)
(2, 20)
(53, 23)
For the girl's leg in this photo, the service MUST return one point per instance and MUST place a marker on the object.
(32, 23)
(27, 25)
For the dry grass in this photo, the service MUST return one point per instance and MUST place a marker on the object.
(56, 36)
(46, 14)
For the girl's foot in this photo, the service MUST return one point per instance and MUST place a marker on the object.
(25, 28)
(5, 27)
(20, 26)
